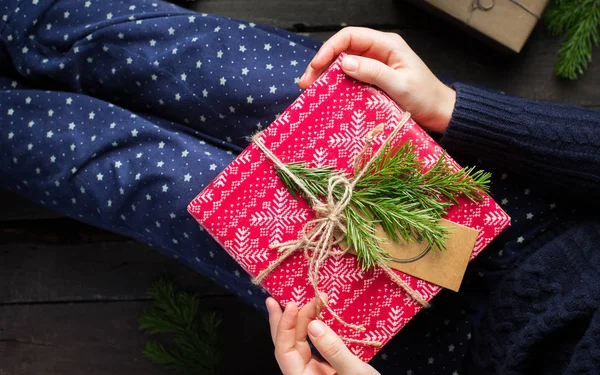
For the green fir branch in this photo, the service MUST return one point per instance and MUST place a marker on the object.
(579, 22)
(396, 194)
(195, 346)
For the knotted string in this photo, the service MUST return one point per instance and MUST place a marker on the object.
(485, 6)
(319, 236)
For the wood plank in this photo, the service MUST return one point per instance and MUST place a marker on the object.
(103, 339)
(452, 53)
(115, 270)
(316, 15)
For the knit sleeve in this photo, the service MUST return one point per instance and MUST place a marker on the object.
(554, 144)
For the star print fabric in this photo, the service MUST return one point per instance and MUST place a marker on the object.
(118, 113)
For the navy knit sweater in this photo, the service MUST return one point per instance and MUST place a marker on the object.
(543, 315)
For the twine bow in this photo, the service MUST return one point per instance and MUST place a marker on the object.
(486, 5)
(320, 235)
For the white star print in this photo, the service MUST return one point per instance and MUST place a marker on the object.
(527, 191)
(175, 241)
(198, 64)
(154, 77)
(69, 101)
(249, 99)
(202, 118)
(113, 70)
(212, 167)
(172, 215)
(269, 66)
(71, 125)
(61, 66)
(93, 138)
(73, 147)
(165, 188)
(504, 201)
(552, 206)
(183, 77)
(212, 255)
(455, 373)
(242, 49)
(469, 336)
(105, 48)
(134, 133)
(133, 207)
(30, 124)
(11, 111)
(520, 239)
(66, 14)
(267, 46)
(129, 60)
(11, 135)
(195, 39)
(241, 26)
(132, 7)
(223, 80)
(152, 43)
(293, 63)
(99, 176)
(232, 109)
(184, 153)
(272, 89)
(82, 189)
(245, 71)
(109, 16)
(217, 29)
(91, 115)
(174, 51)
(529, 216)
(118, 164)
(89, 60)
(29, 146)
(191, 19)
(87, 4)
(204, 93)
(139, 155)
(28, 100)
(109, 203)
(156, 63)
(161, 145)
(148, 197)
(451, 348)
(292, 44)
(252, 24)
(49, 134)
(408, 372)
(187, 177)
(430, 360)
(177, 96)
(160, 164)
(137, 176)
(219, 54)
(171, 31)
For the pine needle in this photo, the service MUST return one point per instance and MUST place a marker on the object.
(579, 21)
(195, 349)
(396, 194)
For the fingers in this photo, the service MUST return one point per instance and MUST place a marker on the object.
(285, 341)
(307, 314)
(371, 71)
(333, 350)
(275, 314)
(353, 40)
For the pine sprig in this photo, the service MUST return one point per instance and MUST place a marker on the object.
(579, 21)
(396, 194)
(195, 349)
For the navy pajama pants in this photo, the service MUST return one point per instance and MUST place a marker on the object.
(118, 113)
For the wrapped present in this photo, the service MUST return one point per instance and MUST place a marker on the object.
(506, 22)
(251, 212)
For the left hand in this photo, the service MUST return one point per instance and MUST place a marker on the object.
(289, 330)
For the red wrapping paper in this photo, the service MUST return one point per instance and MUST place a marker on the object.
(247, 208)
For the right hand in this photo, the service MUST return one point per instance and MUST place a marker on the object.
(386, 61)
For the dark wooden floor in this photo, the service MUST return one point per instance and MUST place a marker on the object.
(71, 295)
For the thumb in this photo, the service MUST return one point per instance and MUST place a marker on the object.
(332, 349)
(369, 71)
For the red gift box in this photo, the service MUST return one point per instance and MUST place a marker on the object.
(247, 208)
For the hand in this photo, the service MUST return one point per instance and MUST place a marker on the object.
(386, 61)
(289, 329)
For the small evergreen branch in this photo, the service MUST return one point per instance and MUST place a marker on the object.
(195, 348)
(396, 194)
(579, 21)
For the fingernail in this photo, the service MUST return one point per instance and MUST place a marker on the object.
(350, 63)
(316, 328)
(303, 75)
